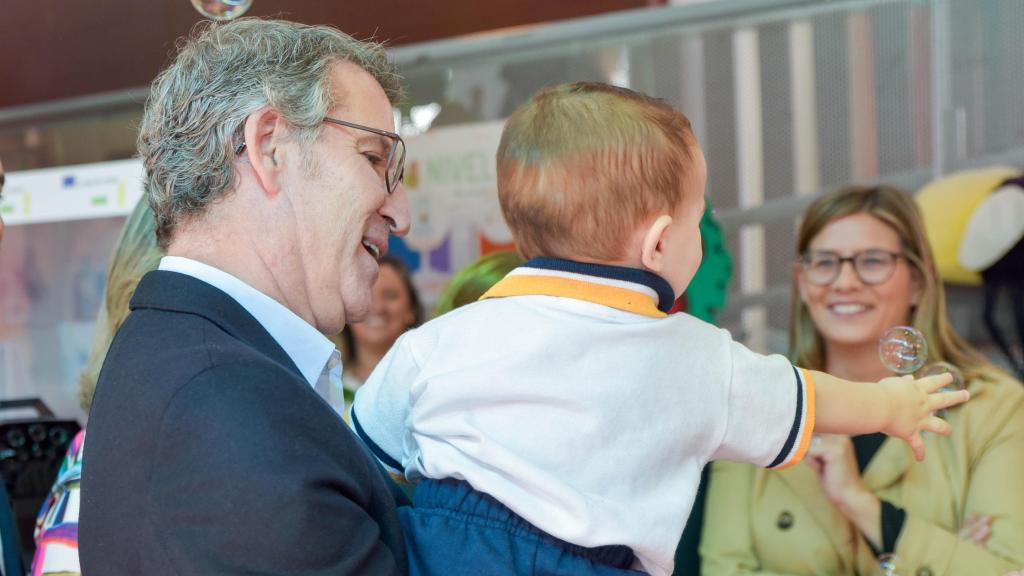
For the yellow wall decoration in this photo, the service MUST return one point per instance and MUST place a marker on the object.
(946, 205)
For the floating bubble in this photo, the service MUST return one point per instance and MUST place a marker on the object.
(903, 349)
(888, 564)
(936, 368)
(222, 9)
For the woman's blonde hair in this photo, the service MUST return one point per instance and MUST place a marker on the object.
(897, 209)
(135, 254)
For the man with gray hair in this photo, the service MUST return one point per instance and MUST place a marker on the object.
(275, 179)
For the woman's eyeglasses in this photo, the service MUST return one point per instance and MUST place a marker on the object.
(822, 267)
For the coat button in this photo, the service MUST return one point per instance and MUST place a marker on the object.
(785, 521)
(924, 571)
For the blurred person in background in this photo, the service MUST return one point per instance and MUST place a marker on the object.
(476, 278)
(135, 254)
(864, 265)
(394, 308)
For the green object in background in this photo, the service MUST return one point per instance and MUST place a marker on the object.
(707, 293)
(705, 298)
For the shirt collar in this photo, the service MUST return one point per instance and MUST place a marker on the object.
(305, 345)
(628, 289)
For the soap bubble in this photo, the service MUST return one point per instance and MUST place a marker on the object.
(936, 368)
(888, 564)
(222, 9)
(903, 349)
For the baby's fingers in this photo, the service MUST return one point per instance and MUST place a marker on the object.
(941, 400)
(937, 425)
(917, 445)
(933, 383)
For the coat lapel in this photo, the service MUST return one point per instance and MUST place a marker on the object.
(174, 292)
(803, 481)
(888, 465)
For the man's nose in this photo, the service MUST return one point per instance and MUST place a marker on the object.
(396, 211)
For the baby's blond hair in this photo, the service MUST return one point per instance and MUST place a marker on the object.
(581, 165)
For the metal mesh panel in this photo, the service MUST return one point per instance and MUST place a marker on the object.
(832, 94)
(899, 91)
(876, 68)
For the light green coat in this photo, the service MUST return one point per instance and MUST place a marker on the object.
(979, 469)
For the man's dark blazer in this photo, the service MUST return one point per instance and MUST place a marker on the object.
(208, 453)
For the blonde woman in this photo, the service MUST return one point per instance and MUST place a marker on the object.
(865, 266)
(135, 254)
(394, 308)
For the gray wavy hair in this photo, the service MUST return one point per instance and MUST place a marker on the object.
(197, 106)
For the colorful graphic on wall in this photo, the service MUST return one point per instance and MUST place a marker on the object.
(453, 202)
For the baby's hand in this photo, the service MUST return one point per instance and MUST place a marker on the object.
(913, 404)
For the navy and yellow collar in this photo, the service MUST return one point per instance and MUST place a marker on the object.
(628, 289)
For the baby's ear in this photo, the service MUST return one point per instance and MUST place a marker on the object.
(652, 252)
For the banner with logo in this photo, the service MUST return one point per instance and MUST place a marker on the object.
(453, 201)
(80, 192)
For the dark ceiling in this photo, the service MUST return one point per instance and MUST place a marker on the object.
(61, 49)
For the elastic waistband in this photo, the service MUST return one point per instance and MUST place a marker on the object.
(459, 497)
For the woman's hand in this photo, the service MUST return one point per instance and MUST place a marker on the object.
(833, 459)
(977, 529)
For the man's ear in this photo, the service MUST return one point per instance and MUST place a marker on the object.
(652, 253)
(264, 132)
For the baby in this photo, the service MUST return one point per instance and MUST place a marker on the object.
(560, 424)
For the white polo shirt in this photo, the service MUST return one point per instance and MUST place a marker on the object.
(570, 397)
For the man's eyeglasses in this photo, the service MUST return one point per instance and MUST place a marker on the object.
(822, 267)
(392, 168)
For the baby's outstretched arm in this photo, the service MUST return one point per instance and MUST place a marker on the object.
(898, 406)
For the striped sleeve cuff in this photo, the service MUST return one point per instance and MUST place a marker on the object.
(393, 466)
(803, 423)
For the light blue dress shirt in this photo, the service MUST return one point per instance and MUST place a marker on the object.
(305, 345)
